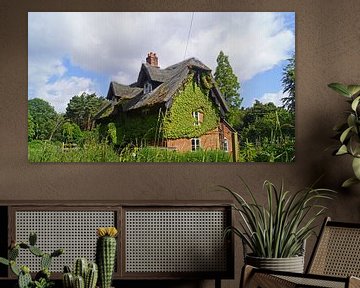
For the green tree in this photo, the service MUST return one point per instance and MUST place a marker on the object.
(227, 81)
(288, 82)
(43, 117)
(267, 134)
(82, 108)
(71, 132)
(31, 128)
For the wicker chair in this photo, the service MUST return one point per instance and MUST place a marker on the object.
(334, 263)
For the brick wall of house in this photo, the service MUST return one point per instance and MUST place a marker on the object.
(228, 135)
(210, 140)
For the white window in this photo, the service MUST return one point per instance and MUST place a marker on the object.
(195, 144)
(226, 145)
(147, 87)
(198, 118)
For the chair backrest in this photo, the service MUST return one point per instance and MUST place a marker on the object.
(337, 251)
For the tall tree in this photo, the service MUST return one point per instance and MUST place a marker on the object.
(227, 81)
(42, 119)
(288, 82)
(82, 108)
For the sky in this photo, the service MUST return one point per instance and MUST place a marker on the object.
(74, 52)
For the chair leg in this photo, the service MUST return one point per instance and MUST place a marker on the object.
(250, 278)
(246, 274)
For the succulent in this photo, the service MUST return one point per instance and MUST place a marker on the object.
(105, 254)
(42, 278)
(85, 275)
(79, 282)
(91, 276)
(24, 278)
(80, 267)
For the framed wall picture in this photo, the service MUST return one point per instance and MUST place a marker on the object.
(161, 87)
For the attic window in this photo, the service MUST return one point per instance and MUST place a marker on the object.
(198, 118)
(147, 87)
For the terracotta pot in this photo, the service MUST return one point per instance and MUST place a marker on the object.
(291, 264)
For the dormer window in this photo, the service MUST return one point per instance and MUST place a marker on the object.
(198, 118)
(147, 87)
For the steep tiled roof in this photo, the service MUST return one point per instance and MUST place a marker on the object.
(169, 79)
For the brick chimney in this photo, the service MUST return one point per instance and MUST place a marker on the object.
(152, 59)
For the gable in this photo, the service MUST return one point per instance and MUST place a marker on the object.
(179, 121)
(165, 83)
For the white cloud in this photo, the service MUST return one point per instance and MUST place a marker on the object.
(60, 92)
(274, 98)
(115, 44)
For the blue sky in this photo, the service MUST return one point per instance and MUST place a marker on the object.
(71, 53)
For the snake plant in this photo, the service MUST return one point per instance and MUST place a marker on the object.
(279, 228)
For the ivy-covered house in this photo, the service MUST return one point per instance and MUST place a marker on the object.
(178, 107)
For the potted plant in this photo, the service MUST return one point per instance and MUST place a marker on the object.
(42, 278)
(349, 131)
(276, 233)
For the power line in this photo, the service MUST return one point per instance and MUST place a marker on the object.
(187, 42)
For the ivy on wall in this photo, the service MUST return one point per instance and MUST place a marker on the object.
(179, 120)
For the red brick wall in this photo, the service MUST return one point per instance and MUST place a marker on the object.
(210, 140)
(228, 135)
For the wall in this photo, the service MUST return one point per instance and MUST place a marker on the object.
(327, 42)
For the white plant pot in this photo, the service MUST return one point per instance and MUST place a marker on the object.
(291, 264)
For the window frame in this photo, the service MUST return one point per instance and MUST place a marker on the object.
(147, 87)
(195, 144)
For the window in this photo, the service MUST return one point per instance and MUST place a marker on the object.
(147, 87)
(198, 118)
(195, 144)
(226, 145)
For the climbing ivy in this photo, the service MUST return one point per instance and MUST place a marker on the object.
(140, 128)
(132, 128)
(179, 120)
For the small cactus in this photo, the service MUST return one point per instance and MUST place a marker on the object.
(13, 253)
(24, 280)
(79, 282)
(83, 272)
(68, 280)
(106, 254)
(23, 273)
(45, 261)
(81, 266)
(32, 238)
(36, 251)
(91, 276)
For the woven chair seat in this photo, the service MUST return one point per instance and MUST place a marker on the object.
(335, 262)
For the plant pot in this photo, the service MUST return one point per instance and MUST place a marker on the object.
(291, 264)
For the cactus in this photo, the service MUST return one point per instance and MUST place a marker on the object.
(105, 254)
(13, 253)
(24, 280)
(23, 273)
(68, 280)
(80, 267)
(45, 261)
(36, 251)
(32, 238)
(87, 272)
(4, 261)
(91, 276)
(79, 282)
(14, 268)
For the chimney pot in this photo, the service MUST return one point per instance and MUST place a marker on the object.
(152, 59)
